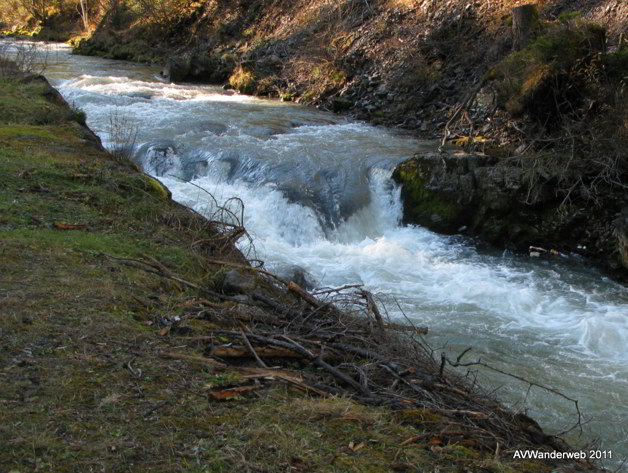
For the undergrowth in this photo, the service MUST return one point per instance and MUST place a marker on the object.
(571, 97)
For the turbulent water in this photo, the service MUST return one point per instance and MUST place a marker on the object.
(317, 193)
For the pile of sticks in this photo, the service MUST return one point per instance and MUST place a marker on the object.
(342, 344)
(335, 341)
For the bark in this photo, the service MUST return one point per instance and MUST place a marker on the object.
(525, 22)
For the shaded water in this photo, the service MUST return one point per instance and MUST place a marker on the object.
(318, 194)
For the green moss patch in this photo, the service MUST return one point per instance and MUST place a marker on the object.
(552, 73)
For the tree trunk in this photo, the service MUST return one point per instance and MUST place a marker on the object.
(525, 25)
(84, 14)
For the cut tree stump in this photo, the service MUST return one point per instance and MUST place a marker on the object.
(525, 25)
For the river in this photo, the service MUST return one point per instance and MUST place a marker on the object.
(317, 193)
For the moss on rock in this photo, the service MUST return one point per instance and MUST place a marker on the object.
(425, 204)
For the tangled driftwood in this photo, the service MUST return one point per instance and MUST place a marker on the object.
(343, 345)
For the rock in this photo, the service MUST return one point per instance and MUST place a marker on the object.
(210, 69)
(381, 93)
(438, 190)
(621, 234)
(238, 282)
(340, 104)
(296, 274)
(158, 157)
(269, 62)
(199, 67)
(485, 197)
(447, 192)
(176, 69)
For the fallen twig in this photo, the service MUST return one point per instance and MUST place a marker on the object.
(199, 359)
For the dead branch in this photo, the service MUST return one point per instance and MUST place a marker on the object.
(156, 269)
(479, 362)
(199, 359)
(372, 307)
(248, 268)
(235, 351)
(336, 289)
(303, 294)
(307, 354)
(462, 108)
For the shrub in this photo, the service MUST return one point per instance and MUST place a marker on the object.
(78, 115)
(550, 76)
(616, 64)
(243, 81)
(21, 57)
(122, 136)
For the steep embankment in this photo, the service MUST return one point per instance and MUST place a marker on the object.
(393, 62)
(124, 348)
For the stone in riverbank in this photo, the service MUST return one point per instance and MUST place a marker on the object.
(201, 68)
(621, 233)
(481, 196)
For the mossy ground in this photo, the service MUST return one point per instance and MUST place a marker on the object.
(85, 380)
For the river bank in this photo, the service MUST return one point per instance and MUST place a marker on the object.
(106, 340)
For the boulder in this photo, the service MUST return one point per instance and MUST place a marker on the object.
(238, 282)
(209, 69)
(621, 234)
(176, 69)
(440, 191)
(272, 62)
(481, 196)
(296, 274)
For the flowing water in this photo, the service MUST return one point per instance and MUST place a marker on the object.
(318, 194)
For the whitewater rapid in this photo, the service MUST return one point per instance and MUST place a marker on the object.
(317, 193)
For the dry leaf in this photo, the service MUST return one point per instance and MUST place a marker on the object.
(358, 446)
(65, 226)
